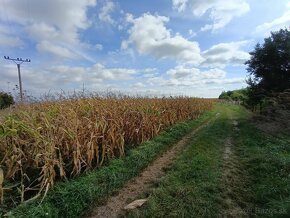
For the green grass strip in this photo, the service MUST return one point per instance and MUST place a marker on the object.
(73, 198)
(192, 187)
(267, 162)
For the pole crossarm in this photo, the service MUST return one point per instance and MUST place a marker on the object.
(17, 60)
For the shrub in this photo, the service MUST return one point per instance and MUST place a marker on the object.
(5, 100)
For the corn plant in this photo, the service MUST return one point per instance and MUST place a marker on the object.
(53, 140)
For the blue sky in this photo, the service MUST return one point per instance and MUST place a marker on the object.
(171, 47)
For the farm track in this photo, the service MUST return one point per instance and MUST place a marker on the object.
(114, 206)
(231, 176)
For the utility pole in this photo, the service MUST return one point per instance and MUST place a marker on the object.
(18, 62)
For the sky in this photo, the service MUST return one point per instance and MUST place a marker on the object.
(166, 47)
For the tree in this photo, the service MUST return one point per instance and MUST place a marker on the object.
(225, 95)
(269, 65)
(5, 100)
(240, 95)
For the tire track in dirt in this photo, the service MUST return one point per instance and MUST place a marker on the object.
(231, 176)
(114, 206)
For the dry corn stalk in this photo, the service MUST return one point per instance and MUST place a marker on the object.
(43, 142)
(1, 185)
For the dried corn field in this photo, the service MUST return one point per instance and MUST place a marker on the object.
(49, 141)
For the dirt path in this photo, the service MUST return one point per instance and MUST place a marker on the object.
(114, 206)
(231, 177)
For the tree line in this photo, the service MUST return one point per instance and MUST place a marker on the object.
(268, 71)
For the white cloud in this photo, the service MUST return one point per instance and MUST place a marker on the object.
(129, 18)
(240, 80)
(7, 38)
(105, 12)
(97, 72)
(55, 50)
(180, 80)
(180, 5)
(42, 31)
(193, 80)
(10, 41)
(150, 70)
(224, 54)
(65, 16)
(138, 85)
(44, 78)
(276, 24)
(99, 47)
(220, 12)
(181, 72)
(54, 21)
(104, 73)
(195, 74)
(206, 27)
(150, 36)
(191, 33)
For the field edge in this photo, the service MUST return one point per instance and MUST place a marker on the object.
(73, 198)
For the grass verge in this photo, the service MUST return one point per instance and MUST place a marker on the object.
(192, 186)
(73, 198)
(267, 162)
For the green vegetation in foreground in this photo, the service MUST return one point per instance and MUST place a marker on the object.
(267, 161)
(192, 187)
(73, 198)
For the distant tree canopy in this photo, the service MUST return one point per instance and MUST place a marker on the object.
(5, 100)
(235, 95)
(269, 66)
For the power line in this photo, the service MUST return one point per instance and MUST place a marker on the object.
(18, 62)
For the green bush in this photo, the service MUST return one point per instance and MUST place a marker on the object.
(235, 95)
(5, 100)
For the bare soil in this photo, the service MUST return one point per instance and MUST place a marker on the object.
(114, 206)
(231, 176)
